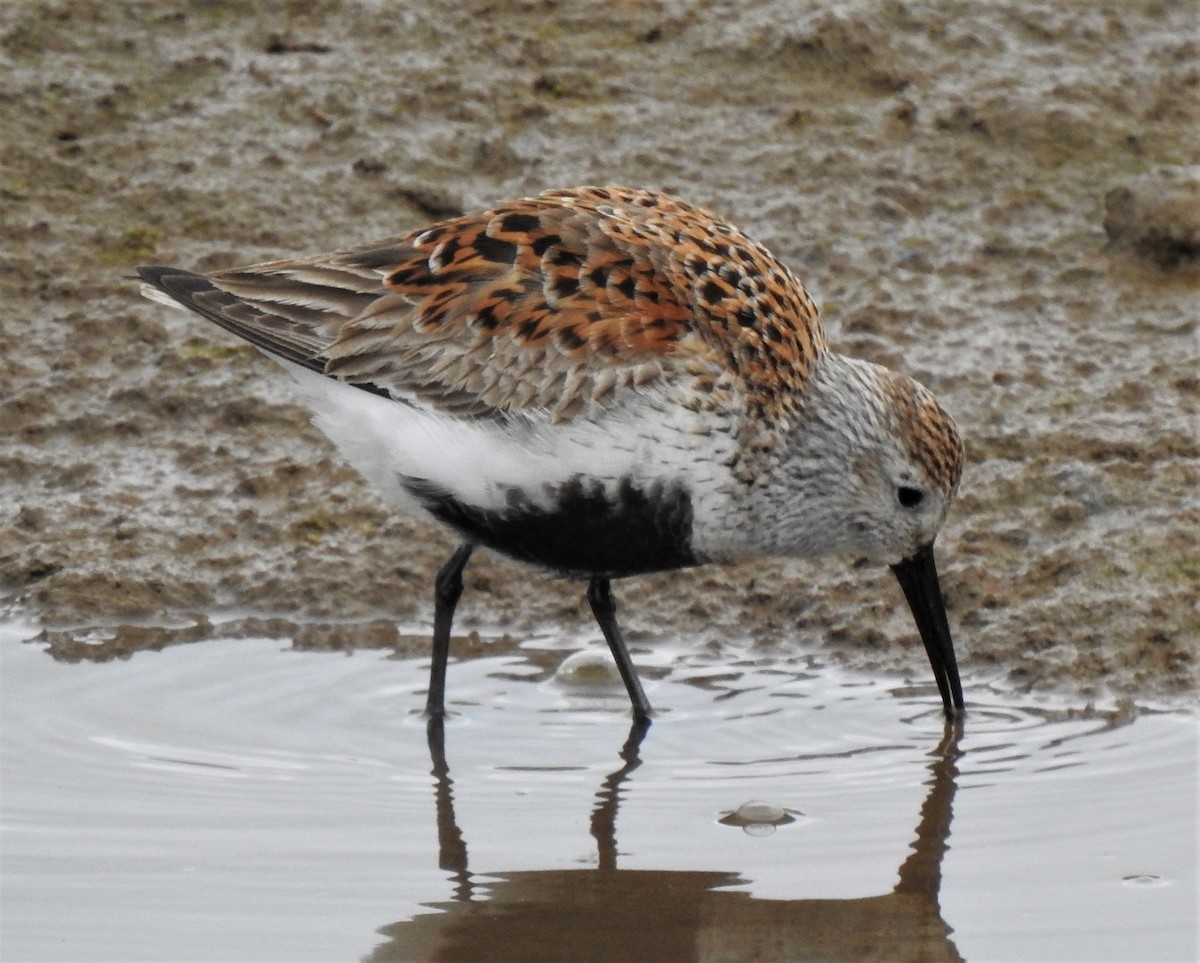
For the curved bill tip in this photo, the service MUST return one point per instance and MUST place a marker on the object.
(918, 577)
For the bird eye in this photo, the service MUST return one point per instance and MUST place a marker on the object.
(909, 497)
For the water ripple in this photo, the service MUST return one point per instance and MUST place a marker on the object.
(227, 793)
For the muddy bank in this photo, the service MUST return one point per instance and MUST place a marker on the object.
(974, 199)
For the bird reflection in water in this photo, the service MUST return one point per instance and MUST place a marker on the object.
(605, 913)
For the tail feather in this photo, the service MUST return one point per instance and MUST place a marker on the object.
(298, 337)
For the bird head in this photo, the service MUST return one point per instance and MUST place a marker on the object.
(871, 466)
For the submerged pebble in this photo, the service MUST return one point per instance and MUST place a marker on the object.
(758, 818)
(760, 812)
(1143, 879)
(590, 667)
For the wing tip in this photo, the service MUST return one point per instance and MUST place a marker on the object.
(171, 286)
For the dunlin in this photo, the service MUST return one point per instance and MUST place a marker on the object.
(603, 382)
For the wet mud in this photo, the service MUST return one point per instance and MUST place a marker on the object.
(1001, 201)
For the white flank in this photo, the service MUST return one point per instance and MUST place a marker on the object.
(480, 462)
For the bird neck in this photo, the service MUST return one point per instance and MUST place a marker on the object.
(799, 502)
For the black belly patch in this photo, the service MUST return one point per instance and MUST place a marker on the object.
(581, 528)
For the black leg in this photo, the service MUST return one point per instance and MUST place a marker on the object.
(447, 588)
(599, 596)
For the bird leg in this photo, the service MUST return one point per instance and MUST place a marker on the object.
(447, 588)
(604, 607)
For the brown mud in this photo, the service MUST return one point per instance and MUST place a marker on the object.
(1000, 199)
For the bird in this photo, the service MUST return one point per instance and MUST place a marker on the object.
(602, 382)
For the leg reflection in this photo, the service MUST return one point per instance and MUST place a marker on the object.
(452, 848)
(604, 814)
(600, 915)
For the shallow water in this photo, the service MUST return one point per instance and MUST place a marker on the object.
(236, 799)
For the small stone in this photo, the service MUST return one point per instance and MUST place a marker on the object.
(755, 811)
(591, 667)
(758, 818)
(1157, 216)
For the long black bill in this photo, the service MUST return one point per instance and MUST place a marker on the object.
(918, 577)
